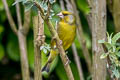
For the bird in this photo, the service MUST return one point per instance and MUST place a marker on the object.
(66, 29)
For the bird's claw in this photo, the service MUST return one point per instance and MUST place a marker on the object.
(40, 39)
(68, 61)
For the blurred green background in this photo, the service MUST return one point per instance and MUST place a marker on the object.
(9, 49)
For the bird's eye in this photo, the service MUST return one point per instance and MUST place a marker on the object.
(65, 14)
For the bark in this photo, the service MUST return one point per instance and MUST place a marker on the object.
(98, 33)
(21, 38)
(38, 41)
(81, 37)
(9, 16)
(116, 14)
(77, 61)
(23, 56)
(58, 43)
(23, 46)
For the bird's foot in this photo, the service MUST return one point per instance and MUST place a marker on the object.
(68, 61)
(60, 42)
(40, 39)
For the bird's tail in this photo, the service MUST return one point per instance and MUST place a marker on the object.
(46, 67)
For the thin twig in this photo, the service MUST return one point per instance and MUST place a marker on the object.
(89, 16)
(62, 4)
(48, 11)
(80, 35)
(26, 25)
(40, 9)
(21, 38)
(23, 46)
(38, 41)
(10, 19)
(23, 56)
(61, 50)
(77, 61)
(59, 46)
(69, 6)
(18, 16)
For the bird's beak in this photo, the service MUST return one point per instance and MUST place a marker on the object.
(60, 15)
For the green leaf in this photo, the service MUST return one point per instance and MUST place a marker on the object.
(116, 73)
(28, 5)
(45, 51)
(101, 41)
(52, 1)
(44, 5)
(104, 55)
(17, 1)
(2, 52)
(116, 37)
(109, 37)
(118, 54)
(83, 6)
(108, 45)
(117, 49)
(56, 8)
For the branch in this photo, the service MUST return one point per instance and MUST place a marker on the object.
(89, 16)
(18, 16)
(38, 41)
(21, 38)
(23, 56)
(69, 6)
(40, 9)
(77, 61)
(48, 11)
(62, 4)
(26, 25)
(59, 46)
(61, 50)
(80, 35)
(23, 46)
(90, 3)
(10, 19)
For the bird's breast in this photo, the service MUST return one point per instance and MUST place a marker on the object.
(66, 33)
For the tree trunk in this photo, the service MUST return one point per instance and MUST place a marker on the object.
(98, 33)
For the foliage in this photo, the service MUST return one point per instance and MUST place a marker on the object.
(9, 48)
(113, 53)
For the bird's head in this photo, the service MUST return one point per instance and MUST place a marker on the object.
(67, 16)
(62, 14)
